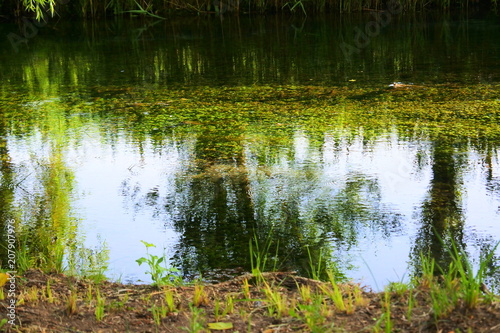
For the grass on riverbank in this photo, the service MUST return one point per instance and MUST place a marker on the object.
(456, 300)
(275, 302)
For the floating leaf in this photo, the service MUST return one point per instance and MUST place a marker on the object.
(220, 326)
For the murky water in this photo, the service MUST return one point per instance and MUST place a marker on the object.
(201, 136)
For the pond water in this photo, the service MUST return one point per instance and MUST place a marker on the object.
(355, 143)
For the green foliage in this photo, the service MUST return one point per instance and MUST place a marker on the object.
(196, 320)
(48, 225)
(411, 304)
(398, 287)
(461, 268)
(220, 326)
(39, 7)
(277, 301)
(48, 292)
(459, 281)
(315, 265)
(295, 4)
(160, 275)
(90, 263)
(334, 292)
(144, 11)
(89, 8)
(25, 260)
(313, 314)
(385, 319)
(159, 312)
(99, 309)
(260, 256)
(170, 299)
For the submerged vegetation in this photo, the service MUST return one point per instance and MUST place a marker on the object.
(155, 8)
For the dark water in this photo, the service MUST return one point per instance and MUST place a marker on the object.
(202, 135)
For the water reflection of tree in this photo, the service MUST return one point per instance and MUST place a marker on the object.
(6, 188)
(229, 196)
(441, 215)
(486, 244)
(221, 215)
(37, 192)
(248, 50)
(489, 160)
(216, 214)
(302, 199)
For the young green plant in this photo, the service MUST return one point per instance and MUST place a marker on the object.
(99, 309)
(159, 274)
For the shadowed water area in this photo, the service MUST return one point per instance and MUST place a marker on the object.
(353, 143)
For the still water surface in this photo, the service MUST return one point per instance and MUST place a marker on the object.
(201, 136)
